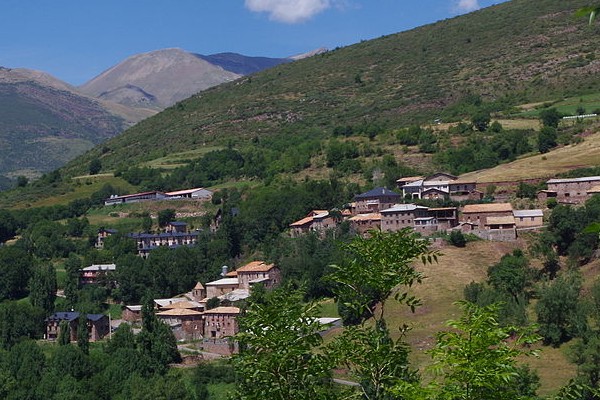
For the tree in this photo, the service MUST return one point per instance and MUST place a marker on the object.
(481, 120)
(15, 271)
(550, 117)
(64, 333)
(477, 358)
(378, 268)
(42, 288)
(560, 314)
(95, 166)
(457, 239)
(146, 223)
(547, 139)
(279, 354)
(165, 216)
(22, 181)
(511, 275)
(83, 337)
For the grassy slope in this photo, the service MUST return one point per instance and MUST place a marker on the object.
(444, 285)
(544, 165)
(533, 51)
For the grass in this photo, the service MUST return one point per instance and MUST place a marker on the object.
(175, 160)
(544, 166)
(329, 309)
(221, 391)
(444, 286)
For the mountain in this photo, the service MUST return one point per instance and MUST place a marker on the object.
(512, 53)
(44, 122)
(157, 79)
(242, 65)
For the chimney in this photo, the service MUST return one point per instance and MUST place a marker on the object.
(224, 269)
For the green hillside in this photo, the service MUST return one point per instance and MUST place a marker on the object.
(513, 53)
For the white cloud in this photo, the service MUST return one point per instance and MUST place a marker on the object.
(467, 5)
(289, 11)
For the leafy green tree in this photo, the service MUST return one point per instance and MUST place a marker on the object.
(22, 181)
(165, 216)
(550, 117)
(95, 166)
(457, 239)
(560, 313)
(42, 288)
(512, 274)
(146, 223)
(19, 321)
(83, 337)
(72, 267)
(279, 342)
(481, 120)
(64, 333)
(547, 139)
(25, 363)
(477, 358)
(377, 269)
(15, 271)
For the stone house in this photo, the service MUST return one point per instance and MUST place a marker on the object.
(570, 190)
(258, 272)
(528, 218)
(96, 274)
(186, 323)
(479, 213)
(402, 216)
(97, 325)
(315, 221)
(500, 228)
(363, 223)
(376, 200)
(220, 324)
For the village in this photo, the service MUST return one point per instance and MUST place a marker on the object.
(207, 314)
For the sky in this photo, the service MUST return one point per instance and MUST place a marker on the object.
(75, 40)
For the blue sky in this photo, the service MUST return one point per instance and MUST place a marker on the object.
(75, 40)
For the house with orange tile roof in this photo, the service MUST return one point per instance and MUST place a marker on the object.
(315, 221)
(258, 272)
(363, 223)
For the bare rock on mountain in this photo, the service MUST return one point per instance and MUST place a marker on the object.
(164, 76)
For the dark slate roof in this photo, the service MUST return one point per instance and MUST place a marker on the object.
(72, 315)
(377, 192)
(163, 235)
(108, 230)
(64, 316)
(178, 223)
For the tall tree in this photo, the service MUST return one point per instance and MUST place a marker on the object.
(83, 337)
(42, 288)
(279, 342)
(378, 268)
(477, 358)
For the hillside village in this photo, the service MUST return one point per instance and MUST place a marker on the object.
(412, 217)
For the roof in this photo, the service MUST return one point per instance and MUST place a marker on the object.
(178, 312)
(73, 315)
(223, 310)
(508, 220)
(166, 302)
(134, 308)
(528, 213)
(409, 179)
(490, 207)
(256, 266)
(403, 208)
(184, 191)
(433, 189)
(440, 174)
(178, 223)
(235, 295)
(231, 274)
(442, 209)
(366, 217)
(424, 219)
(462, 182)
(198, 286)
(183, 304)
(303, 221)
(223, 282)
(377, 192)
(127, 196)
(100, 267)
(418, 183)
(570, 180)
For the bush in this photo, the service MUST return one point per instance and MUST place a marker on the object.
(457, 239)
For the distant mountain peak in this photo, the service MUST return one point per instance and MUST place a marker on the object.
(311, 53)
